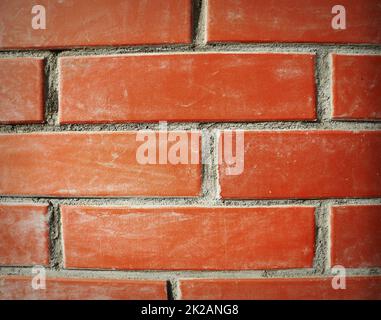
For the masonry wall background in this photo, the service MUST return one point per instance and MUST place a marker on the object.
(74, 199)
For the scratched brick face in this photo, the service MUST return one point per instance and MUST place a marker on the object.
(82, 289)
(190, 149)
(24, 235)
(292, 21)
(356, 87)
(144, 88)
(213, 241)
(21, 90)
(96, 23)
(89, 164)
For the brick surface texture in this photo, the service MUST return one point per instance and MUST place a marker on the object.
(190, 149)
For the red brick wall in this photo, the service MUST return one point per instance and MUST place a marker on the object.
(76, 96)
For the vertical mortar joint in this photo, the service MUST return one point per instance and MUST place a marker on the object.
(322, 238)
(55, 245)
(323, 85)
(51, 89)
(199, 12)
(173, 289)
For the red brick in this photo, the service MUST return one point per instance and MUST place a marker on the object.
(356, 87)
(292, 21)
(281, 289)
(95, 23)
(215, 238)
(20, 288)
(356, 236)
(187, 87)
(89, 164)
(307, 164)
(24, 234)
(21, 90)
